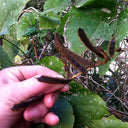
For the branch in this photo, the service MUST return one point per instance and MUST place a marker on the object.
(110, 93)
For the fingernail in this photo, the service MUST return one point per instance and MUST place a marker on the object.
(51, 119)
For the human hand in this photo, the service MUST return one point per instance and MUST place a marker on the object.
(19, 84)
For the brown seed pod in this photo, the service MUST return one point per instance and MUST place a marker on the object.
(83, 37)
(26, 103)
(111, 46)
(35, 99)
(54, 80)
(67, 54)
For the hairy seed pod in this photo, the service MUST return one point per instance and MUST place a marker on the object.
(111, 46)
(83, 37)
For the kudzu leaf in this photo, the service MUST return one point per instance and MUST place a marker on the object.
(104, 68)
(54, 8)
(47, 23)
(103, 31)
(82, 3)
(108, 4)
(60, 28)
(63, 110)
(110, 122)
(87, 107)
(9, 11)
(90, 20)
(4, 59)
(53, 63)
(10, 49)
(122, 26)
(28, 26)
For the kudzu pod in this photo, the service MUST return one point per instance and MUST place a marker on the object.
(26, 103)
(111, 47)
(54, 80)
(98, 50)
(67, 54)
(35, 99)
(83, 37)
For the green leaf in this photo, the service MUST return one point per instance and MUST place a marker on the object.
(110, 122)
(28, 26)
(82, 3)
(103, 31)
(75, 88)
(30, 31)
(10, 49)
(47, 23)
(60, 28)
(53, 63)
(54, 8)
(104, 68)
(122, 26)
(87, 107)
(107, 5)
(110, 4)
(60, 5)
(91, 20)
(4, 59)
(9, 11)
(63, 109)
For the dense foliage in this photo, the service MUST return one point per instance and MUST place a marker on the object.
(97, 99)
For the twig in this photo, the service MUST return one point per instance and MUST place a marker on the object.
(125, 88)
(43, 50)
(112, 95)
(26, 10)
(117, 112)
(109, 92)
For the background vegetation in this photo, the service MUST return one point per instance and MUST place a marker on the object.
(97, 99)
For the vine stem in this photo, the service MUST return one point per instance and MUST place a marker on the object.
(43, 50)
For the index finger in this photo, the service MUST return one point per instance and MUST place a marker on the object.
(21, 73)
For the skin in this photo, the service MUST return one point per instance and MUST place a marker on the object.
(20, 83)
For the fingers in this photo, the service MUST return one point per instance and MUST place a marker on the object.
(32, 87)
(40, 112)
(50, 99)
(22, 84)
(50, 119)
(29, 85)
(35, 112)
(65, 88)
(21, 73)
